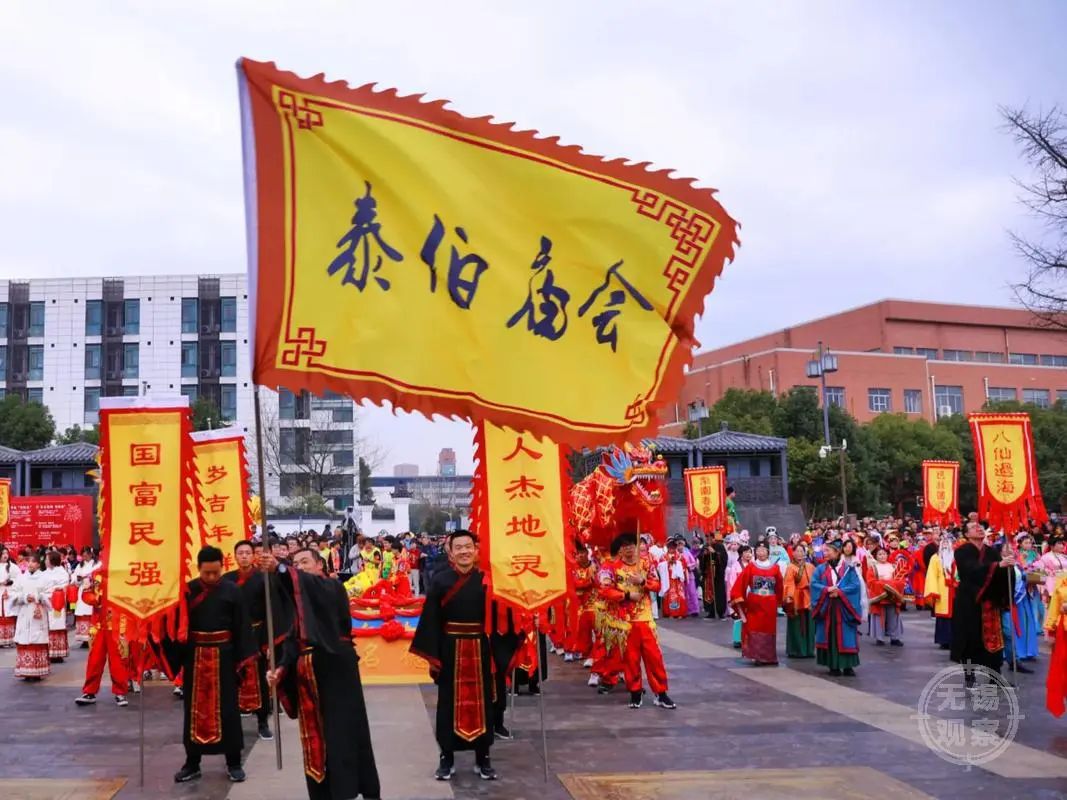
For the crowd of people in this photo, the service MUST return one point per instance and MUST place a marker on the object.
(991, 596)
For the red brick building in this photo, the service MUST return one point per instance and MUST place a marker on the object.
(923, 359)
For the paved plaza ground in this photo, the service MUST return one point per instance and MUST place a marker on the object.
(740, 732)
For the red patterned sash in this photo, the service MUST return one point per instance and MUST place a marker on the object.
(992, 633)
(205, 714)
(311, 739)
(248, 697)
(468, 709)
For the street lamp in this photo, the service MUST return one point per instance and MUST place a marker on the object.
(826, 362)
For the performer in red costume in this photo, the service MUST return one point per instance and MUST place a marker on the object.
(626, 583)
(104, 648)
(580, 646)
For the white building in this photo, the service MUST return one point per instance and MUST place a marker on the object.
(67, 342)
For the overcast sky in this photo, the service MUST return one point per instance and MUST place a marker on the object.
(858, 143)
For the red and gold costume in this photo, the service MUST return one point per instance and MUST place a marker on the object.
(583, 631)
(104, 647)
(628, 628)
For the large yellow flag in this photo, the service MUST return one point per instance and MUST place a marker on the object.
(400, 251)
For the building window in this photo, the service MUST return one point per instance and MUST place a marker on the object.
(190, 359)
(229, 359)
(131, 316)
(3, 319)
(93, 361)
(926, 352)
(344, 458)
(228, 406)
(343, 414)
(3, 361)
(92, 405)
(286, 404)
(835, 396)
(342, 502)
(37, 318)
(35, 396)
(190, 315)
(190, 392)
(130, 361)
(913, 401)
(949, 400)
(342, 436)
(94, 317)
(3, 393)
(1001, 394)
(294, 483)
(904, 351)
(1061, 395)
(1037, 397)
(879, 401)
(957, 355)
(989, 357)
(129, 391)
(1054, 361)
(36, 362)
(228, 314)
(1029, 359)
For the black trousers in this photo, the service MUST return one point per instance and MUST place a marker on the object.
(481, 755)
(193, 755)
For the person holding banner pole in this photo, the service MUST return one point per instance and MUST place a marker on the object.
(219, 647)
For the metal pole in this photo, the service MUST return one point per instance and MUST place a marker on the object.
(140, 703)
(266, 578)
(825, 401)
(541, 696)
(1011, 628)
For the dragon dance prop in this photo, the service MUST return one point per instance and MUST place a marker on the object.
(627, 492)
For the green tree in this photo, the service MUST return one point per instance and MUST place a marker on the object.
(76, 433)
(25, 426)
(366, 493)
(898, 447)
(799, 414)
(427, 518)
(206, 414)
(745, 410)
(814, 481)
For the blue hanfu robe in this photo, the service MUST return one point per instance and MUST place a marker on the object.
(837, 619)
(1023, 638)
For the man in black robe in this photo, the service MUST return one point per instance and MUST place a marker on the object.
(219, 644)
(318, 681)
(986, 583)
(253, 693)
(451, 636)
(712, 562)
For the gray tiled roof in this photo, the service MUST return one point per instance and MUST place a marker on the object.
(77, 453)
(722, 441)
(9, 455)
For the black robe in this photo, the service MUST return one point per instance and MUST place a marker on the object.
(256, 605)
(321, 685)
(982, 582)
(451, 632)
(220, 642)
(712, 563)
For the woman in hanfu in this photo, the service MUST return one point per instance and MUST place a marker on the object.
(9, 573)
(757, 594)
(836, 589)
(886, 590)
(692, 596)
(1053, 564)
(673, 577)
(1056, 628)
(733, 572)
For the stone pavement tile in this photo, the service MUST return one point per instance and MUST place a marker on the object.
(860, 783)
(59, 789)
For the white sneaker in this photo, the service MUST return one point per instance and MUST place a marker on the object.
(121, 701)
(135, 687)
(594, 680)
(588, 663)
(569, 658)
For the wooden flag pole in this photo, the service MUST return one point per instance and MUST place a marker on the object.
(266, 582)
(541, 695)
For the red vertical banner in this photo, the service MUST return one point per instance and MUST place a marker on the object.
(146, 508)
(5, 509)
(941, 496)
(1009, 496)
(705, 496)
(519, 515)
